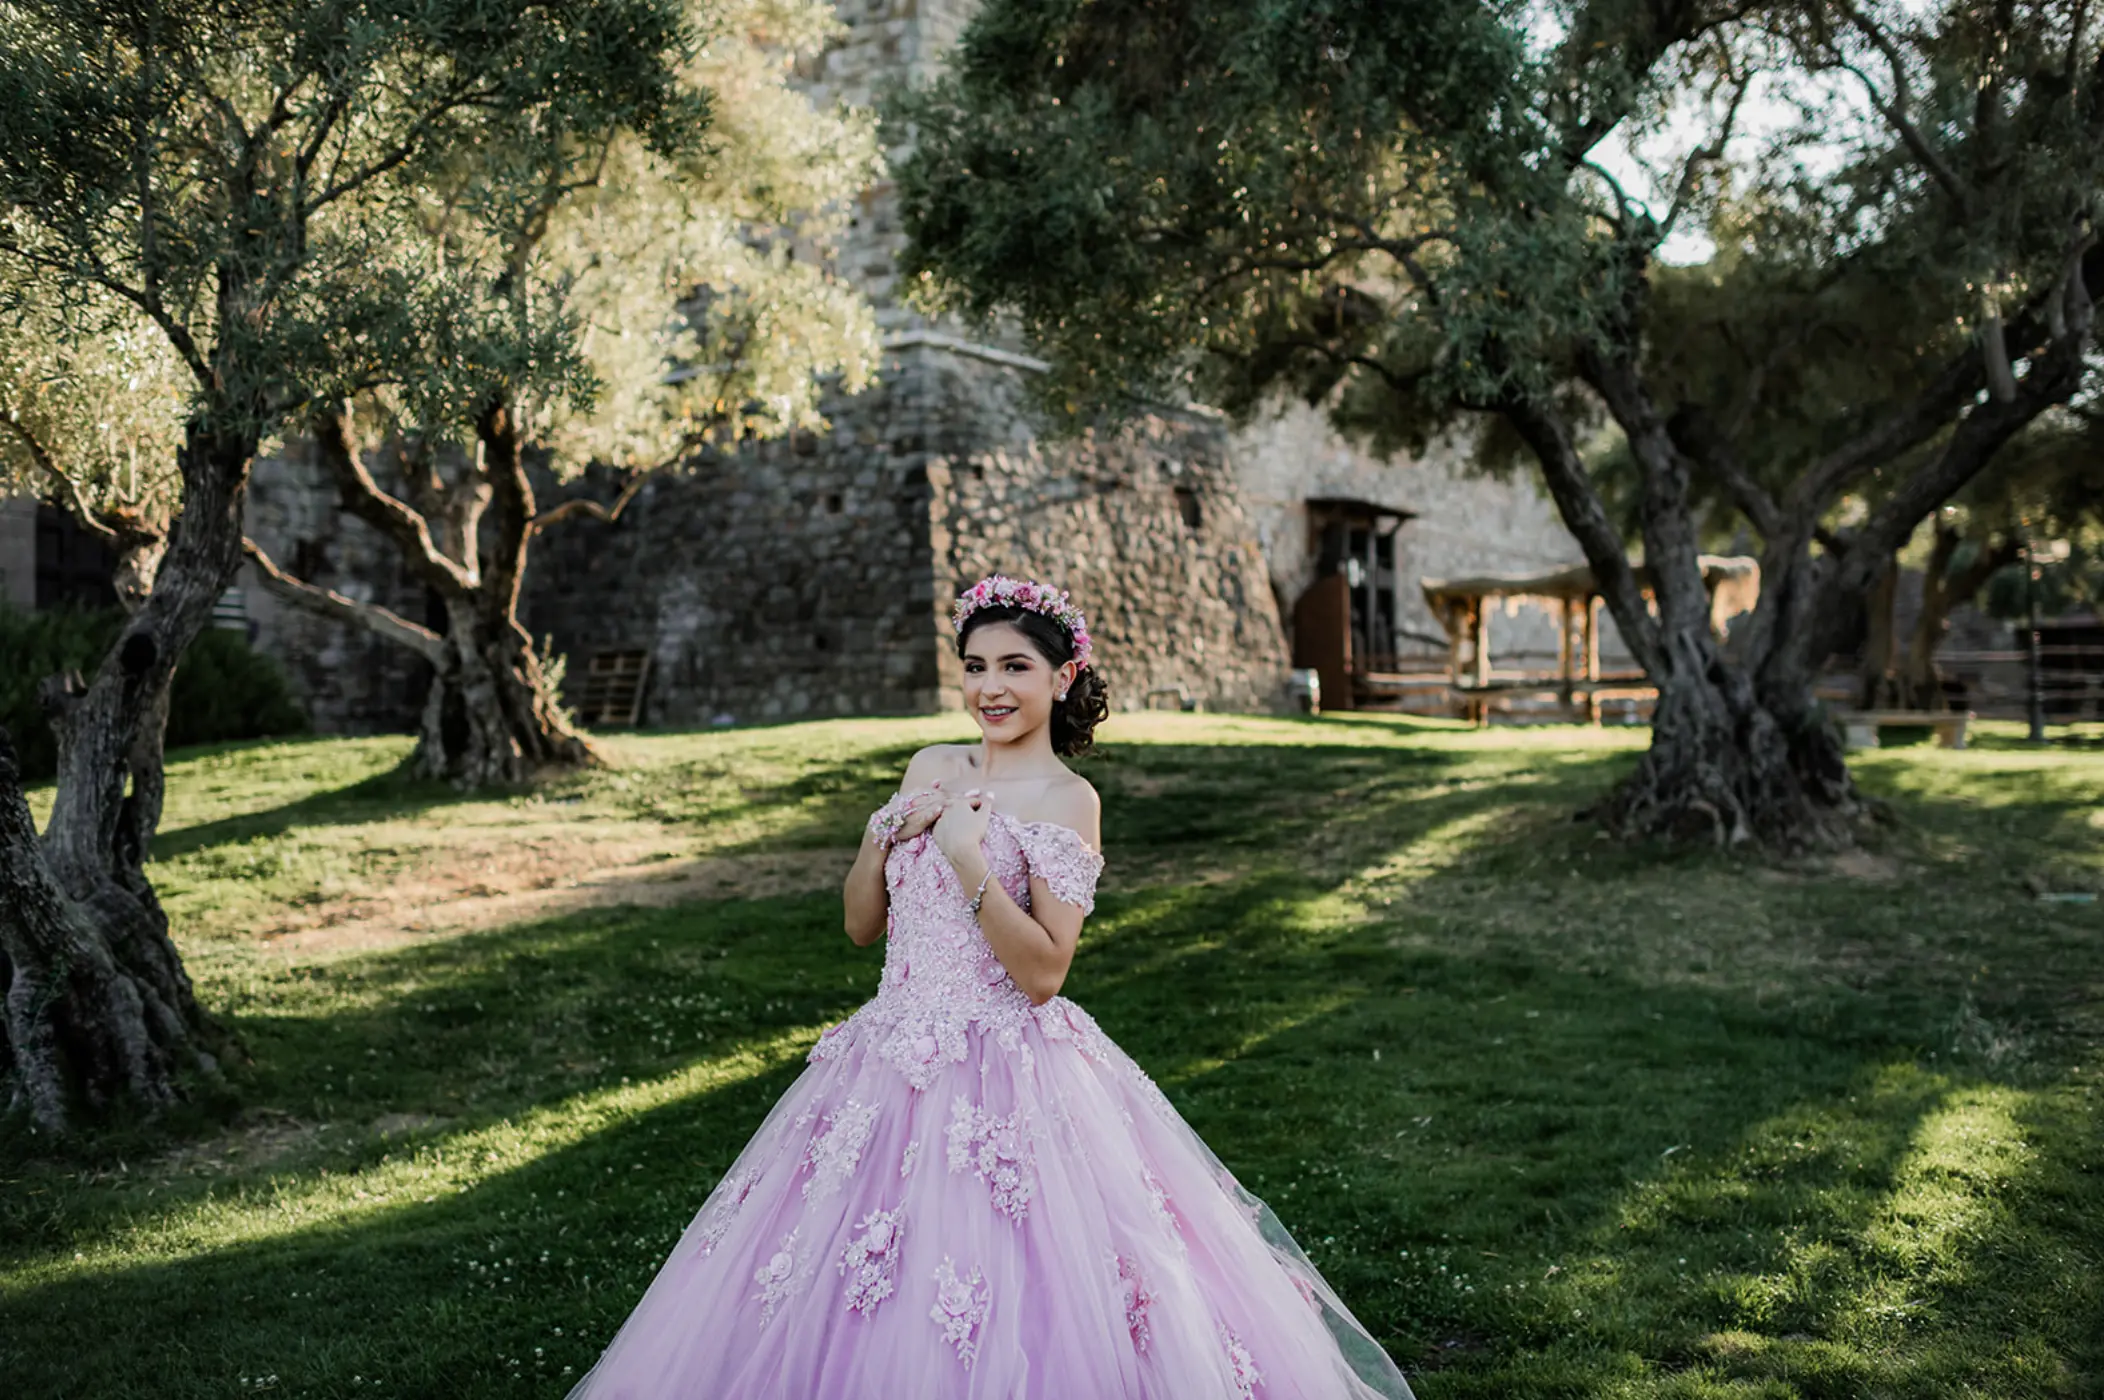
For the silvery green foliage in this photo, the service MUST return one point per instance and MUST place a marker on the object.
(681, 296)
(247, 179)
(91, 407)
(1409, 210)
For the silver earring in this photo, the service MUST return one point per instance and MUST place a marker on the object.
(1061, 696)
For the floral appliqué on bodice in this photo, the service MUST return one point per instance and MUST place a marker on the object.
(940, 976)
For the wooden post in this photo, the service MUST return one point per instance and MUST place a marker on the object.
(1453, 619)
(1479, 629)
(1373, 600)
(1566, 618)
(1592, 658)
(1479, 625)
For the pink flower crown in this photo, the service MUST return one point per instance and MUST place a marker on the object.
(1001, 591)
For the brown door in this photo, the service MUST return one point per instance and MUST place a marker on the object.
(1322, 638)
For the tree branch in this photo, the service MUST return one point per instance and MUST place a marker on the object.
(1672, 551)
(1586, 517)
(1896, 111)
(2052, 377)
(402, 151)
(363, 498)
(1991, 560)
(497, 428)
(1623, 203)
(76, 500)
(328, 603)
(331, 112)
(1908, 427)
(584, 506)
(1706, 154)
(1695, 435)
(2056, 315)
(178, 334)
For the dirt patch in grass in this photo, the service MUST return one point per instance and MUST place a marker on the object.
(1872, 867)
(488, 882)
(260, 1140)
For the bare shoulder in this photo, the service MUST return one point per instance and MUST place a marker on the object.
(1074, 803)
(935, 763)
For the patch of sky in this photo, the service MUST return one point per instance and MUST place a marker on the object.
(1792, 124)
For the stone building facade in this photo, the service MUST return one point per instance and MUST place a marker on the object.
(1456, 522)
(813, 576)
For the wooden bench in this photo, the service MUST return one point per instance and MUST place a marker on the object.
(1859, 728)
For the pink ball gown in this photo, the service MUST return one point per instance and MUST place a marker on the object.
(965, 1195)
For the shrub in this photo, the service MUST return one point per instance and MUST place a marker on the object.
(223, 688)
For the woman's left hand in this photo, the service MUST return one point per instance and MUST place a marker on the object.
(961, 828)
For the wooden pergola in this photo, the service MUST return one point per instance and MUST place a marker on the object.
(1462, 606)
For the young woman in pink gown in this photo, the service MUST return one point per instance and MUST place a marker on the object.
(971, 1191)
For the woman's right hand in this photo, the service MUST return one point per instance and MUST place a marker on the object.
(922, 810)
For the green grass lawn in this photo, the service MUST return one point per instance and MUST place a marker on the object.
(1556, 1118)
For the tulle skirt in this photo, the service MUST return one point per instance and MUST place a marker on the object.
(1037, 1221)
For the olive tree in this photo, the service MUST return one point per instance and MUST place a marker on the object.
(691, 303)
(1422, 216)
(241, 180)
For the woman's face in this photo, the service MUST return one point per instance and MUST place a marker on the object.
(1009, 686)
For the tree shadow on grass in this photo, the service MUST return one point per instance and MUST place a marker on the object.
(1519, 1119)
(388, 795)
(1164, 798)
(1555, 1120)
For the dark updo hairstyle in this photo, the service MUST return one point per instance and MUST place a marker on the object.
(1087, 705)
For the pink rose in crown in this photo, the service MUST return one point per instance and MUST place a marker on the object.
(998, 590)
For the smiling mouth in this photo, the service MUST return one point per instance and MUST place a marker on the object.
(996, 712)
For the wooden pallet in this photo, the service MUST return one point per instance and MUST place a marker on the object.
(612, 693)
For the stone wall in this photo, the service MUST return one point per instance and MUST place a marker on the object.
(786, 580)
(18, 553)
(887, 41)
(1146, 528)
(351, 681)
(814, 577)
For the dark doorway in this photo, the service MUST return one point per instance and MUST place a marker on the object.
(1345, 624)
(74, 567)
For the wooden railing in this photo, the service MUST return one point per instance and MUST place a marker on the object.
(1997, 684)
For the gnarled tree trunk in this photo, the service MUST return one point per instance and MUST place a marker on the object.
(1740, 746)
(100, 1014)
(492, 716)
(1730, 763)
(1738, 750)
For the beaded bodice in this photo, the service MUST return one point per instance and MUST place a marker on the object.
(940, 975)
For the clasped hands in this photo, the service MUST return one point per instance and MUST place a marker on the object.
(959, 821)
